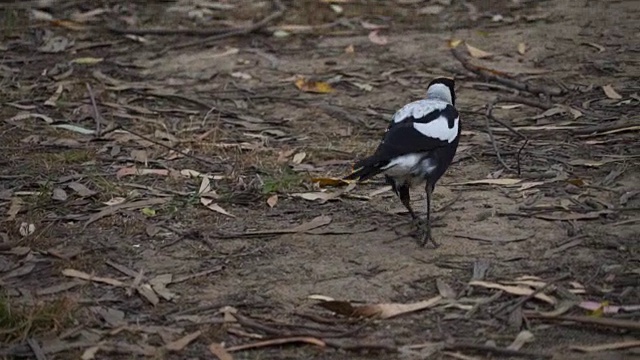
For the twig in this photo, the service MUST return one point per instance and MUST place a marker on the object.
(524, 299)
(503, 79)
(493, 139)
(496, 350)
(615, 323)
(96, 113)
(206, 161)
(489, 116)
(269, 329)
(37, 350)
(170, 31)
(280, 8)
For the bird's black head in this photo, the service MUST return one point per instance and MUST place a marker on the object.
(442, 88)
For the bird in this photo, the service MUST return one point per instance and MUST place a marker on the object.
(417, 148)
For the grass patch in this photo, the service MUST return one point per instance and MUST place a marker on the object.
(18, 322)
(283, 180)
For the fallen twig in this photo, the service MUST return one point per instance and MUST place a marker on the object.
(502, 79)
(615, 323)
(522, 300)
(96, 113)
(489, 116)
(280, 8)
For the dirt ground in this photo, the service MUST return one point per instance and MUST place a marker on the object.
(158, 194)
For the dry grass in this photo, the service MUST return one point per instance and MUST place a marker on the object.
(19, 322)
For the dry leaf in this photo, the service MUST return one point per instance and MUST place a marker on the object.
(350, 49)
(59, 194)
(110, 210)
(378, 39)
(477, 53)
(523, 337)
(84, 276)
(115, 201)
(297, 158)
(431, 10)
(505, 181)
(135, 171)
(87, 60)
(445, 290)
(26, 229)
(514, 290)
(147, 292)
(14, 208)
(522, 48)
(90, 353)
(272, 201)
(607, 347)
(183, 342)
(453, 43)
(318, 87)
(313, 224)
(382, 311)
(219, 351)
(80, 189)
(215, 207)
(54, 98)
(611, 92)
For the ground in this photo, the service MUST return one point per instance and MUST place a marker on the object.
(159, 187)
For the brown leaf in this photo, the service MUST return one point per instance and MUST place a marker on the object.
(297, 158)
(59, 194)
(84, 276)
(313, 224)
(272, 200)
(382, 311)
(215, 207)
(607, 347)
(514, 290)
(110, 210)
(611, 92)
(328, 181)
(522, 48)
(183, 342)
(127, 171)
(219, 351)
(523, 337)
(82, 190)
(375, 38)
(147, 292)
(477, 53)
(14, 208)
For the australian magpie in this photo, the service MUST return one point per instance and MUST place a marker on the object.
(417, 147)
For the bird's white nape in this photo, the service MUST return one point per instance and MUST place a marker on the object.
(439, 129)
(439, 91)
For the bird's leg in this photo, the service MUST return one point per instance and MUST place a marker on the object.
(426, 236)
(405, 198)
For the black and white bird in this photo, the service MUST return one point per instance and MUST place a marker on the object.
(417, 148)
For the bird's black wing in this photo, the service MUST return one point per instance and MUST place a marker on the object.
(403, 138)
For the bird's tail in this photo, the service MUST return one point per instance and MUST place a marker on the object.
(367, 168)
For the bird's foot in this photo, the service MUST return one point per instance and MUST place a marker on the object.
(424, 233)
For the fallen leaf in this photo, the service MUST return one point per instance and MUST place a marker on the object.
(115, 201)
(54, 289)
(21, 271)
(594, 45)
(324, 196)
(87, 60)
(505, 181)
(80, 189)
(381, 311)
(297, 158)
(272, 201)
(14, 208)
(219, 351)
(205, 188)
(453, 43)
(147, 292)
(514, 290)
(477, 53)
(523, 337)
(522, 48)
(350, 49)
(371, 26)
(112, 209)
(59, 194)
(378, 39)
(111, 316)
(126, 171)
(26, 229)
(607, 347)
(55, 97)
(611, 92)
(183, 342)
(214, 206)
(313, 224)
(336, 8)
(318, 87)
(55, 44)
(84, 276)
(573, 216)
(90, 353)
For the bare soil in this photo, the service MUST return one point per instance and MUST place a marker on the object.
(229, 108)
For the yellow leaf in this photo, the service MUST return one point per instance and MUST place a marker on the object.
(477, 53)
(313, 86)
(454, 43)
(522, 48)
(611, 92)
(600, 310)
(86, 60)
(148, 211)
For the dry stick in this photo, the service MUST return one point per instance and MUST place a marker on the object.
(524, 299)
(496, 350)
(278, 13)
(170, 31)
(37, 350)
(615, 323)
(254, 324)
(206, 161)
(96, 113)
(489, 115)
(503, 79)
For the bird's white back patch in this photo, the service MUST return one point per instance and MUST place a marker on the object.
(419, 109)
(439, 129)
